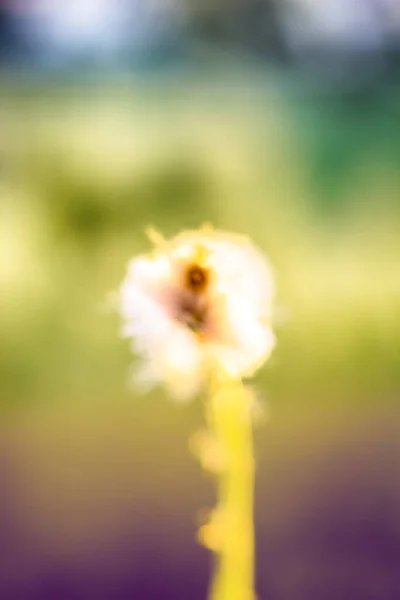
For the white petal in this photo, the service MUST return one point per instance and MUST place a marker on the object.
(242, 273)
(180, 363)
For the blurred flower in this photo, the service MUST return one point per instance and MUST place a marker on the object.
(200, 304)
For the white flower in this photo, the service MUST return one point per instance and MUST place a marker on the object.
(199, 306)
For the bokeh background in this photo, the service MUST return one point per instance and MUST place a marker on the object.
(279, 119)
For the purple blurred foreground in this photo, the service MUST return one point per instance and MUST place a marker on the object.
(328, 516)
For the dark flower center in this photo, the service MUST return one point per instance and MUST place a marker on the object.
(197, 278)
(193, 303)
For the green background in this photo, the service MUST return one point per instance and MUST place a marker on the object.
(101, 489)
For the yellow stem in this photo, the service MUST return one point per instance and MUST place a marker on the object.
(231, 526)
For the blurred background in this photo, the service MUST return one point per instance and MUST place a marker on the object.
(279, 119)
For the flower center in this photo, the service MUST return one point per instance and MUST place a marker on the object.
(193, 305)
(197, 278)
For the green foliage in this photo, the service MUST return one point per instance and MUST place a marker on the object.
(262, 164)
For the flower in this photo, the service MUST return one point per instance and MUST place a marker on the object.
(198, 305)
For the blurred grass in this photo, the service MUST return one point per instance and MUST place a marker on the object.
(89, 168)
